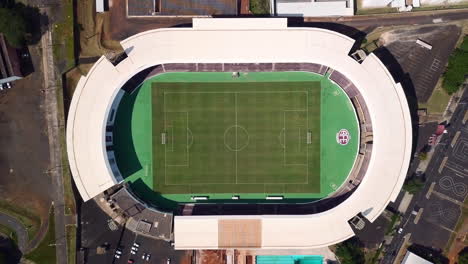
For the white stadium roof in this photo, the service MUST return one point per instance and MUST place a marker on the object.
(260, 40)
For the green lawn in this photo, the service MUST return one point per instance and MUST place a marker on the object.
(226, 136)
(71, 243)
(457, 68)
(29, 219)
(44, 253)
(437, 102)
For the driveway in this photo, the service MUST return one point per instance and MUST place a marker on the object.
(19, 228)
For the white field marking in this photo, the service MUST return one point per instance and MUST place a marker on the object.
(189, 131)
(172, 137)
(236, 149)
(284, 138)
(307, 129)
(187, 164)
(165, 146)
(284, 135)
(240, 183)
(299, 140)
(284, 152)
(235, 111)
(279, 137)
(165, 156)
(236, 92)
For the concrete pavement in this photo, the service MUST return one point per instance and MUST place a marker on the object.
(50, 85)
(394, 19)
(444, 192)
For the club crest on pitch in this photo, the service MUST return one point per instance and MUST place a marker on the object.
(343, 137)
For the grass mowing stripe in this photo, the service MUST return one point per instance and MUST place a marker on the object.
(258, 109)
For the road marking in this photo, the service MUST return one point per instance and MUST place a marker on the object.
(429, 192)
(455, 138)
(442, 164)
(418, 216)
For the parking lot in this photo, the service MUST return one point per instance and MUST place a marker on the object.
(101, 240)
(441, 202)
(424, 66)
(161, 252)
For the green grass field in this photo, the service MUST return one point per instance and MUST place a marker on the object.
(185, 134)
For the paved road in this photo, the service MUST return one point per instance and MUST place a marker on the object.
(19, 228)
(412, 18)
(435, 229)
(50, 81)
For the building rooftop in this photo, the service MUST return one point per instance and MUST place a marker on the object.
(411, 258)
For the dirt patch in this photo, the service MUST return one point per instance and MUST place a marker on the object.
(24, 156)
(211, 256)
(459, 243)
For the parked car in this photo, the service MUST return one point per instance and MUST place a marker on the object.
(130, 261)
(148, 256)
(117, 256)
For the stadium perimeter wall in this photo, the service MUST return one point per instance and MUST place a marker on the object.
(223, 41)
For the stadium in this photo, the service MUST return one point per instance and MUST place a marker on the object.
(246, 132)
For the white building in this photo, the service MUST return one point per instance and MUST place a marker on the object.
(315, 8)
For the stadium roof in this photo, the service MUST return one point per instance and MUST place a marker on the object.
(269, 40)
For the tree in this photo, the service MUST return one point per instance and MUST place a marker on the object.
(350, 252)
(13, 26)
(463, 256)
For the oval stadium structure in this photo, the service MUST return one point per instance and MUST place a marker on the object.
(240, 133)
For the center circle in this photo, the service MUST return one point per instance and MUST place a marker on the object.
(236, 138)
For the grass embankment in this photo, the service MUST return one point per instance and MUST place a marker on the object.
(44, 253)
(70, 207)
(260, 7)
(457, 68)
(63, 37)
(7, 231)
(387, 10)
(413, 185)
(64, 56)
(71, 243)
(395, 218)
(31, 221)
(438, 101)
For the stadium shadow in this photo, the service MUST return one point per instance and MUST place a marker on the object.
(155, 199)
(429, 254)
(264, 207)
(124, 148)
(9, 252)
(400, 76)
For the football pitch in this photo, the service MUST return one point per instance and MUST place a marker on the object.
(259, 134)
(236, 137)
